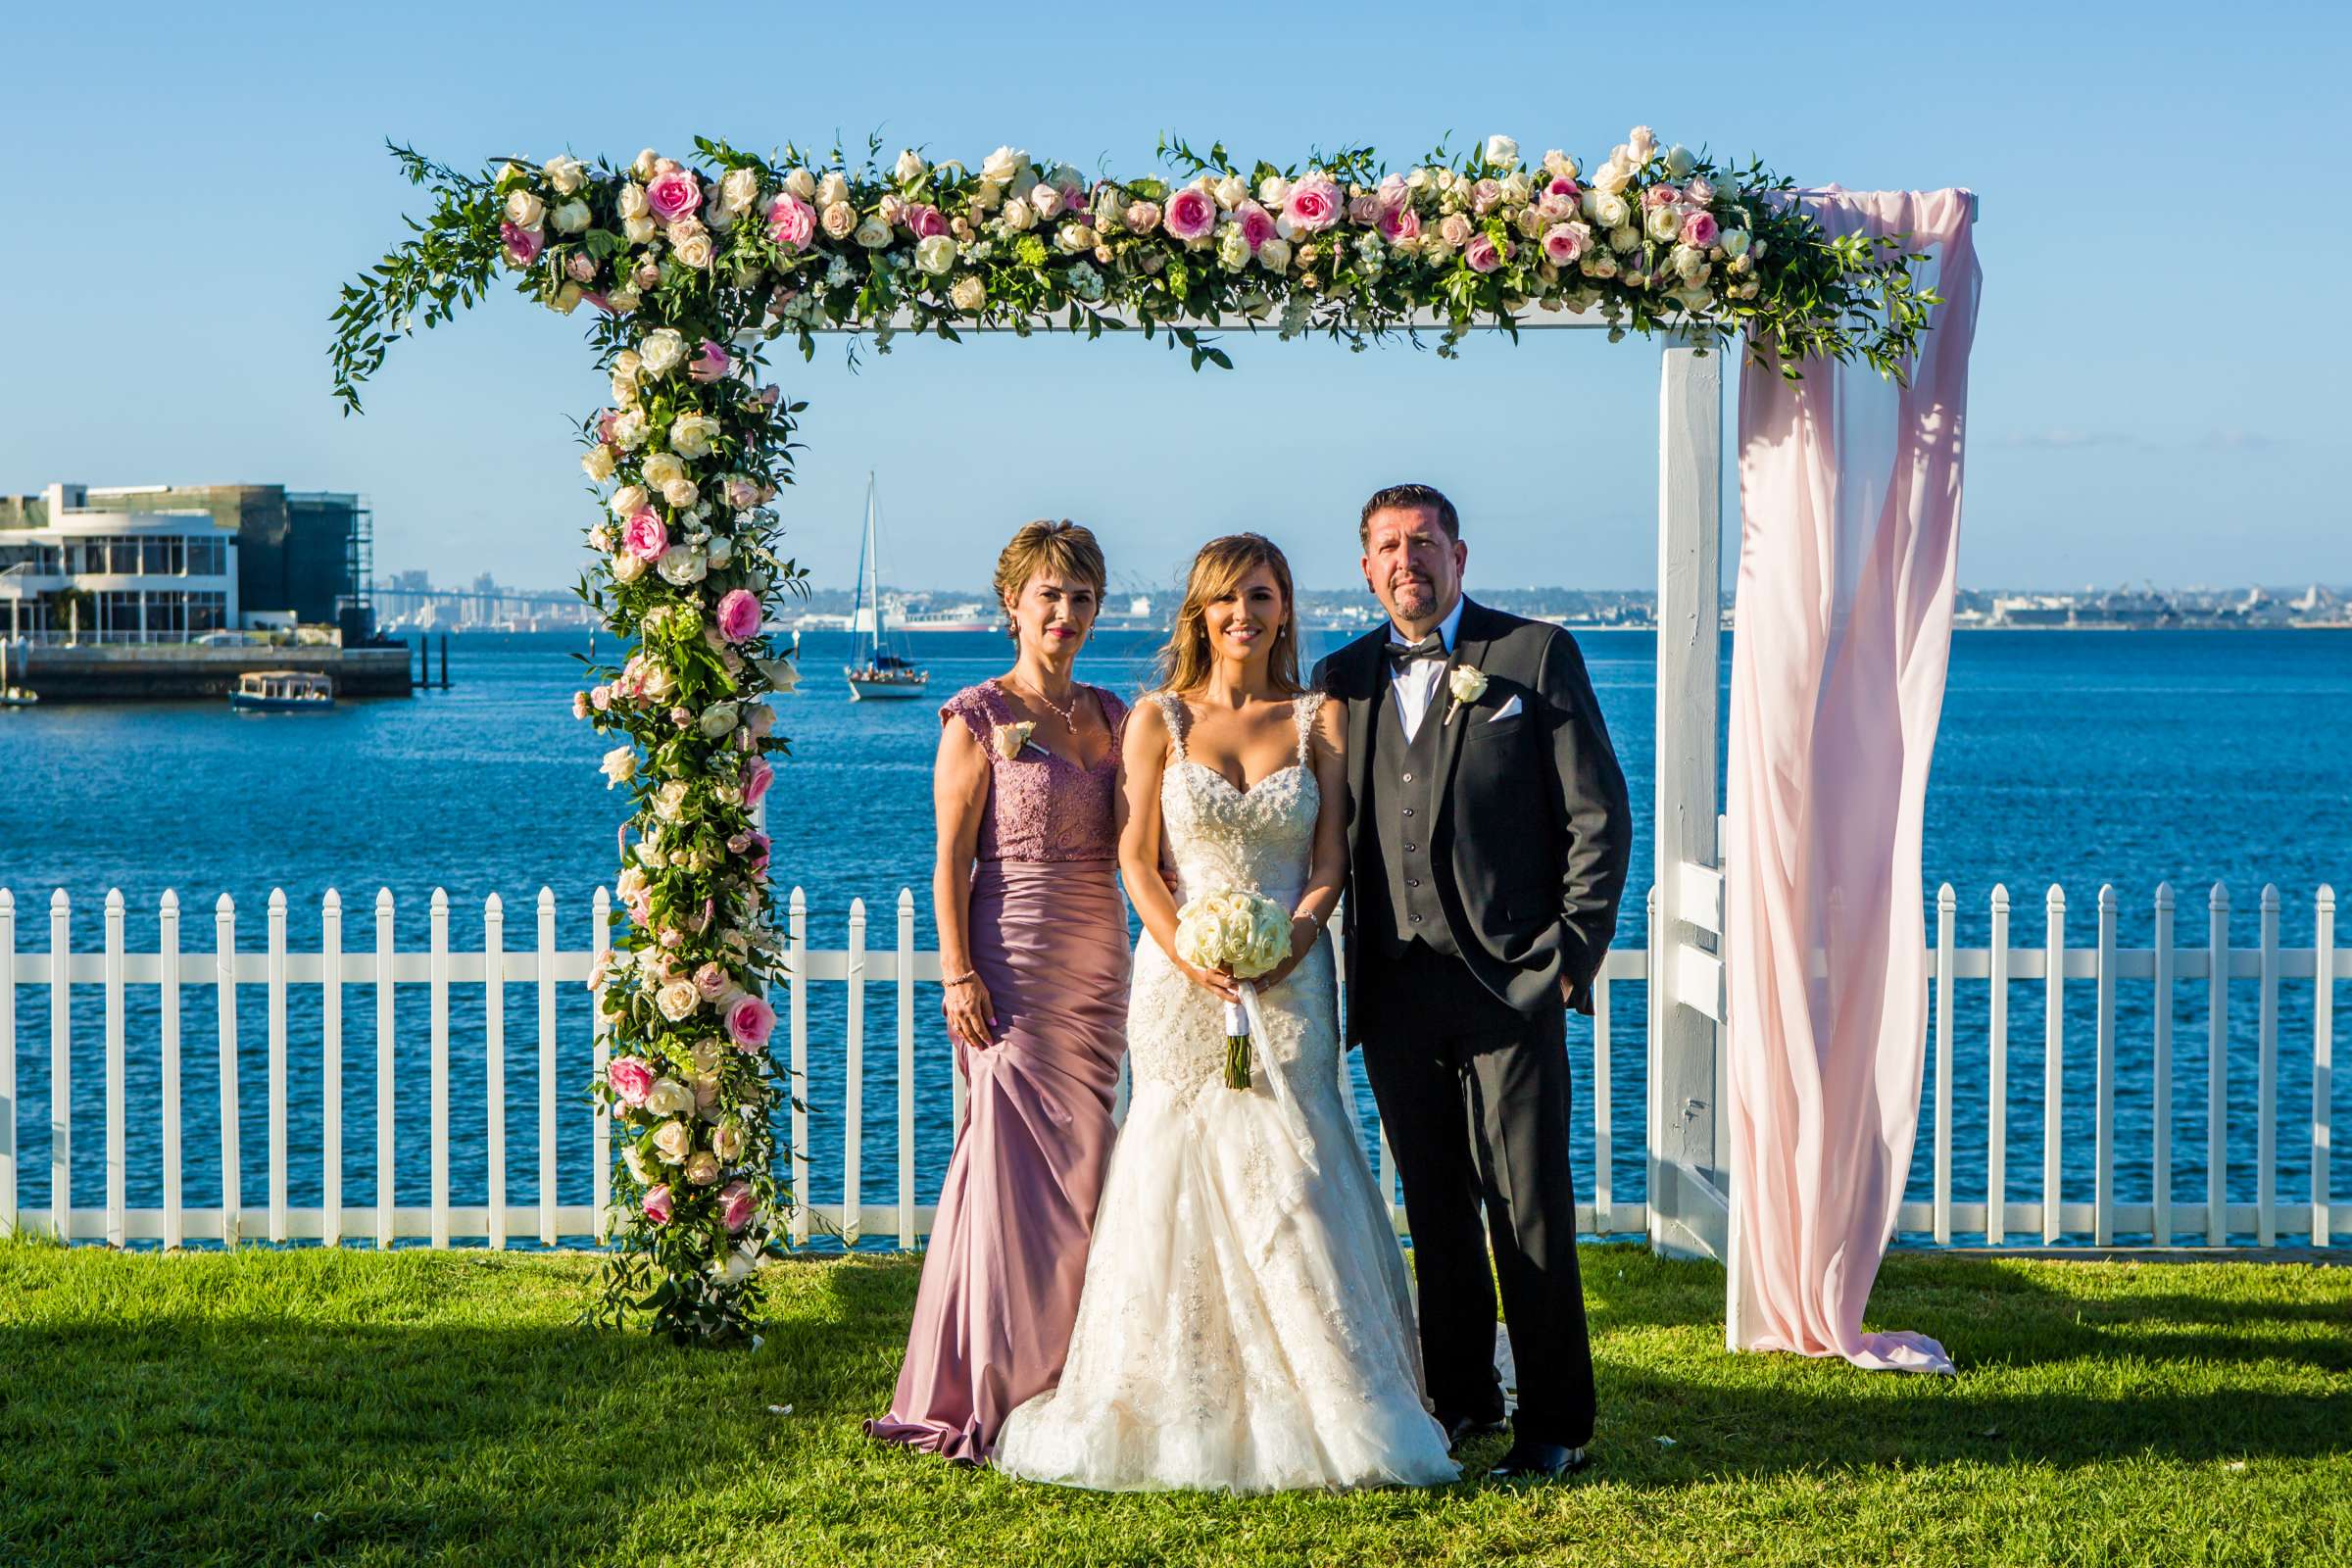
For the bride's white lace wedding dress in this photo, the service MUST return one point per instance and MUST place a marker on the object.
(1245, 1323)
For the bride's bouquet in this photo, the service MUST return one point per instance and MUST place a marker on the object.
(1245, 935)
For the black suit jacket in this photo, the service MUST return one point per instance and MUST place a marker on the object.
(1534, 830)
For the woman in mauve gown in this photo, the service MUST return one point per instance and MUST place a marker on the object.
(1032, 946)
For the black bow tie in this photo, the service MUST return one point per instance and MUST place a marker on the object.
(1432, 646)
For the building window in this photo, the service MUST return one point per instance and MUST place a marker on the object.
(207, 611)
(118, 617)
(163, 555)
(207, 557)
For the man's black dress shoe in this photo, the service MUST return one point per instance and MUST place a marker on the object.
(1529, 1460)
(1461, 1429)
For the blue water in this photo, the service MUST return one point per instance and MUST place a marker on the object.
(2073, 759)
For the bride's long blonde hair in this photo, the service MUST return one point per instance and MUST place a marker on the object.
(1217, 571)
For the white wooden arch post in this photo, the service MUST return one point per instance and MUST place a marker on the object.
(1689, 1211)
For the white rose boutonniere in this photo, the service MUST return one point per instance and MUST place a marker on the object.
(1467, 683)
(1011, 738)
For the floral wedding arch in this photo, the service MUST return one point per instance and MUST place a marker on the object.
(691, 269)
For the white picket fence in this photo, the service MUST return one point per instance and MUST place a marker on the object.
(899, 964)
(2166, 967)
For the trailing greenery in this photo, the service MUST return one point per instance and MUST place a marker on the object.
(284, 1406)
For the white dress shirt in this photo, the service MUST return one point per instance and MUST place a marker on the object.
(1415, 685)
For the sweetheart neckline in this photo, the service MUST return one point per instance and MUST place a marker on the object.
(1242, 790)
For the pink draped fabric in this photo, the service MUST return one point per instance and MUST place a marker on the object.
(1849, 488)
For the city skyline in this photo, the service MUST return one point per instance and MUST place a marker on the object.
(2122, 432)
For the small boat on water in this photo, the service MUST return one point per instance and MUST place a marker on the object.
(14, 695)
(281, 691)
(882, 672)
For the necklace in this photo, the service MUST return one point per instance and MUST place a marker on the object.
(1067, 715)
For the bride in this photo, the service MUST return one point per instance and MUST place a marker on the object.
(1245, 1323)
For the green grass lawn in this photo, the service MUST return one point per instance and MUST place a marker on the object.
(305, 1405)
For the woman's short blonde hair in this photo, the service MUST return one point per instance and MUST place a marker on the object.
(1066, 549)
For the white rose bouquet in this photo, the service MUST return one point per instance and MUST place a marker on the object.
(1245, 935)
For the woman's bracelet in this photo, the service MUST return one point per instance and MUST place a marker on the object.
(960, 979)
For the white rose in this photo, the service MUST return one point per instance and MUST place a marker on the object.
(672, 1141)
(738, 189)
(1009, 739)
(690, 434)
(634, 1157)
(659, 684)
(639, 230)
(1662, 224)
(1613, 176)
(680, 494)
(627, 566)
(633, 203)
(624, 390)
(1678, 160)
(1502, 151)
(1625, 239)
(1018, 216)
(726, 1140)
(564, 174)
(936, 253)
(1467, 683)
(629, 500)
(662, 468)
(1735, 242)
(677, 1000)
(620, 762)
(1273, 191)
(872, 233)
(832, 188)
(1230, 192)
(599, 462)
(524, 210)
(801, 184)
(1074, 238)
(663, 350)
(669, 800)
(702, 1169)
(1642, 144)
(968, 294)
(693, 247)
(572, 217)
(717, 721)
(1233, 251)
(908, 167)
(1003, 164)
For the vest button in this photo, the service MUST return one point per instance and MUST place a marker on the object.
(1408, 778)
(1412, 881)
(1408, 849)
(1408, 810)
(1417, 919)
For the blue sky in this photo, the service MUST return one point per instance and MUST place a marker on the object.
(2155, 385)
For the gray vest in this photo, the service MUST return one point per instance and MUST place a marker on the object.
(1402, 775)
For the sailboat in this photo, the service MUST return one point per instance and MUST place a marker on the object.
(882, 671)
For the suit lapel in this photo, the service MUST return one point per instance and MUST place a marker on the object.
(1469, 648)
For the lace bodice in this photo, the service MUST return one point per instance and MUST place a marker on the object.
(1042, 806)
(1222, 837)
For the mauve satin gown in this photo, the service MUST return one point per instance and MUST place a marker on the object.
(1007, 1249)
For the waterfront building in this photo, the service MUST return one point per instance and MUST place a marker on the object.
(152, 563)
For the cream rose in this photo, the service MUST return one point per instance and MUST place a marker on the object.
(839, 219)
(620, 762)
(802, 183)
(968, 294)
(524, 210)
(702, 1168)
(1018, 216)
(672, 1141)
(738, 188)
(663, 350)
(632, 201)
(599, 462)
(872, 233)
(627, 566)
(662, 467)
(677, 1000)
(717, 721)
(935, 255)
(693, 247)
(726, 1140)
(831, 189)
(566, 174)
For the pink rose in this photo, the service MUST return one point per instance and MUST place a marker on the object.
(1364, 210)
(1564, 186)
(524, 245)
(1191, 214)
(644, 536)
(750, 1021)
(711, 981)
(760, 844)
(1660, 196)
(580, 705)
(673, 194)
(1481, 254)
(1394, 193)
(756, 781)
(1257, 225)
(1313, 205)
(739, 615)
(1142, 218)
(631, 1079)
(711, 365)
(1454, 230)
(581, 268)
(1399, 222)
(791, 222)
(656, 1204)
(604, 425)
(924, 220)
(1563, 243)
(735, 1206)
(1699, 231)
(1483, 195)
(600, 698)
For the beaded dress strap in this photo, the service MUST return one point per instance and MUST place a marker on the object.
(1303, 710)
(1173, 710)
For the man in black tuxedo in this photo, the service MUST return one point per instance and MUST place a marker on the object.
(1489, 838)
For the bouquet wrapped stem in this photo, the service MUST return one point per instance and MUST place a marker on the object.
(1237, 1042)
